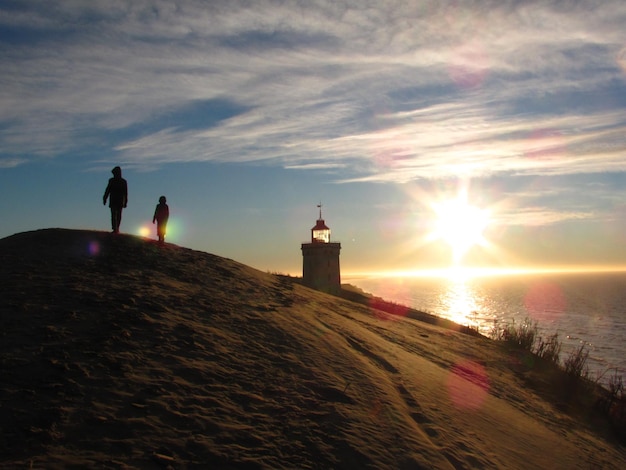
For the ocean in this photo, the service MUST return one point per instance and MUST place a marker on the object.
(583, 308)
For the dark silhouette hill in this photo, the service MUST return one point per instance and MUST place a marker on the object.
(119, 353)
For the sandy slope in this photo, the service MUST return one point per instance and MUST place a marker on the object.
(119, 353)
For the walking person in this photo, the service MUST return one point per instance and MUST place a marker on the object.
(161, 215)
(117, 193)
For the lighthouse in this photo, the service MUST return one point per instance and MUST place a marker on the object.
(320, 259)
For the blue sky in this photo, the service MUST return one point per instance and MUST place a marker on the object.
(247, 114)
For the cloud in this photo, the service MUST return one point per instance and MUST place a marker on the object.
(10, 162)
(540, 216)
(394, 92)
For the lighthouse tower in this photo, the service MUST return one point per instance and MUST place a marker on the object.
(320, 259)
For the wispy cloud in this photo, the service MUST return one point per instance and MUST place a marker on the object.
(11, 162)
(540, 216)
(396, 91)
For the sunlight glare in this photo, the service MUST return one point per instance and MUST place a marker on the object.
(460, 225)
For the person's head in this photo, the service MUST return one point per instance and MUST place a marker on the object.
(162, 200)
(117, 171)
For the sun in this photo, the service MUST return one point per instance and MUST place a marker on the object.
(460, 225)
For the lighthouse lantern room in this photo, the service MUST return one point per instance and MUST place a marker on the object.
(320, 233)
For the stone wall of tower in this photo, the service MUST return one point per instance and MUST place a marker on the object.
(320, 266)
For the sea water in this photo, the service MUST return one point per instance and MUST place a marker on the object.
(583, 308)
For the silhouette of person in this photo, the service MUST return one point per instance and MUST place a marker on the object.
(117, 192)
(161, 215)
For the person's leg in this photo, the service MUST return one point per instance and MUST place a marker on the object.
(161, 231)
(116, 218)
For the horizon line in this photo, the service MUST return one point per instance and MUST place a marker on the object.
(482, 271)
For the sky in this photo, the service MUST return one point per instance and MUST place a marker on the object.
(432, 133)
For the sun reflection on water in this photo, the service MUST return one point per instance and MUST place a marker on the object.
(460, 302)
(463, 301)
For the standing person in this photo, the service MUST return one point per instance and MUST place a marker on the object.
(117, 192)
(161, 215)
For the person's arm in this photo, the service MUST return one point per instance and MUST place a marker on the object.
(125, 193)
(107, 191)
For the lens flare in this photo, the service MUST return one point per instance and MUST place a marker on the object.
(468, 385)
(469, 66)
(172, 235)
(175, 231)
(545, 301)
(93, 248)
(386, 310)
(544, 144)
(621, 59)
(144, 230)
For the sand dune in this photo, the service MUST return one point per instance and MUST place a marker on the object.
(120, 353)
